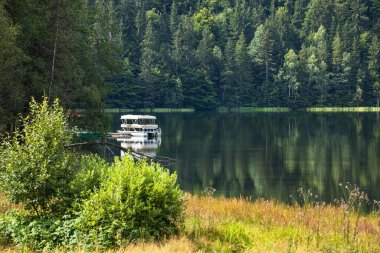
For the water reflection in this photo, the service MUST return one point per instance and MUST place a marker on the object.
(144, 145)
(271, 155)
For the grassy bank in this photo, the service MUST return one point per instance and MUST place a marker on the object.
(148, 110)
(243, 109)
(343, 109)
(254, 109)
(238, 225)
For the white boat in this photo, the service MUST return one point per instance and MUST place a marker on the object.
(140, 126)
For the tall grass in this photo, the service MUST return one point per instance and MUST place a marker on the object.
(235, 225)
(241, 225)
(6, 206)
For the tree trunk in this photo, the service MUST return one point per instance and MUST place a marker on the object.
(54, 53)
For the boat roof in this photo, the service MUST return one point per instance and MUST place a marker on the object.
(131, 116)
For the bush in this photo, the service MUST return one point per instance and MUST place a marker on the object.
(116, 204)
(90, 172)
(35, 167)
(34, 233)
(136, 200)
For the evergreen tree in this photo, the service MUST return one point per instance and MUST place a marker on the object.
(243, 72)
(184, 44)
(12, 90)
(229, 95)
(125, 85)
(342, 75)
(149, 61)
(373, 67)
(204, 53)
(261, 51)
(319, 13)
(318, 64)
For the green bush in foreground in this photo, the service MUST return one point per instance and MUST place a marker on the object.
(137, 200)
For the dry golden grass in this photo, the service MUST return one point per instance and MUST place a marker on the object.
(266, 226)
(182, 244)
(238, 225)
(5, 205)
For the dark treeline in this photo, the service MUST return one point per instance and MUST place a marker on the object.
(189, 53)
(208, 53)
(59, 48)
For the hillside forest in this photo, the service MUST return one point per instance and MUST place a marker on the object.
(201, 54)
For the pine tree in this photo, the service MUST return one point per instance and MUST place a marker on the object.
(149, 61)
(261, 51)
(229, 87)
(204, 53)
(318, 64)
(243, 72)
(184, 44)
(319, 13)
(373, 67)
(12, 91)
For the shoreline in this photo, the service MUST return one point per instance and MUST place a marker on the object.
(238, 110)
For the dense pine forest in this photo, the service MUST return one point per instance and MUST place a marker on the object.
(189, 53)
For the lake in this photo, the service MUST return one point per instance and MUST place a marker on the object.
(271, 155)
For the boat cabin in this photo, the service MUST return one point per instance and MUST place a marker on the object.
(138, 119)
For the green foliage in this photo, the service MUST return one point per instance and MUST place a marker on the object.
(76, 199)
(91, 171)
(290, 74)
(30, 233)
(11, 70)
(198, 91)
(136, 200)
(35, 166)
(66, 52)
(75, 50)
(212, 36)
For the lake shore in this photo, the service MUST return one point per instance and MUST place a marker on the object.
(239, 225)
(240, 109)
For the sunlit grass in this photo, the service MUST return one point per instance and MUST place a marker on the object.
(147, 110)
(266, 226)
(343, 109)
(240, 225)
(5, 205)
(253, 109)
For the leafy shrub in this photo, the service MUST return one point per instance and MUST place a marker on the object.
(38, 233)
(35, 167)
(90, 172)
(136, 200)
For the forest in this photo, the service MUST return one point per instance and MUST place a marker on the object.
(200, 54)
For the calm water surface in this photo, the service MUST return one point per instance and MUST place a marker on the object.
(271, 155)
